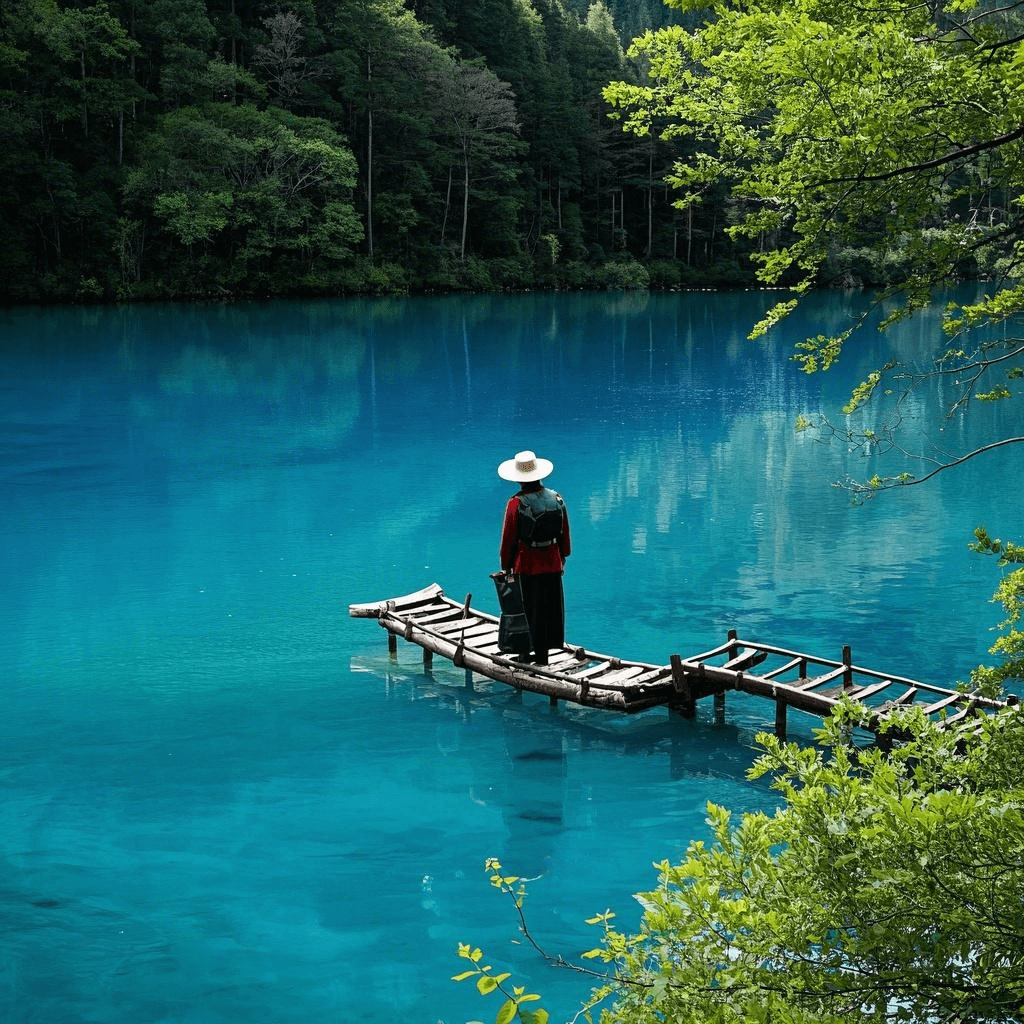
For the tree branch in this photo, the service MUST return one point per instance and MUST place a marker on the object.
(930, 165)
(904, 481)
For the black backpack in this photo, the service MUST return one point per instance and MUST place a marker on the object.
(541, 517)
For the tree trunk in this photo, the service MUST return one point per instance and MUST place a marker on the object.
(465, 205)
(85, 105)
(369, 157)
(650, 201)
(447, 207)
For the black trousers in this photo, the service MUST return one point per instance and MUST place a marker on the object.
(544, 604)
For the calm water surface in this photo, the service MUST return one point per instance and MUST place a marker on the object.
(220, 802)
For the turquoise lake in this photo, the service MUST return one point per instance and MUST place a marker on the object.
(220, 800)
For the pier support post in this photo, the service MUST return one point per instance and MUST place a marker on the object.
(780, 719)
(848, 662)
(392, 644)
(720, 708)
(469, 679)
(684, 705)
(428, 661)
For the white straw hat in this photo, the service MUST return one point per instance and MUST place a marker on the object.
(524, 468)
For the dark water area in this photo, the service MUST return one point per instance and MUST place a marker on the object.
(223, 803)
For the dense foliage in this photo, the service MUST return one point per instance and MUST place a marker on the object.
(220, 147)
(863, 144)
(886, 887)
(885, 129)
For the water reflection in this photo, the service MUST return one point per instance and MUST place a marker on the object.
(544, 746)
(194, 494)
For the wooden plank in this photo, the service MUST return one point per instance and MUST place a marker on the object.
(816, 681)
(449, 627)
(862, 693)
(713, 653)
(746, 658)
(901, 701)
(955, 698)
(616, 677)
(590, 670)
(561, 659)
(652, 677)
(966, 712)
(787, 667)
(449, 613)
(484, 633)
(906, 698)
(372, 610)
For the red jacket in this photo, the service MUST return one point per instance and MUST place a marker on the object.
(522, 558)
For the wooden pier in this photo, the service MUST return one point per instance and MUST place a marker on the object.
(469, 639)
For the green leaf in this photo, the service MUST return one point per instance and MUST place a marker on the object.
(506, 1013)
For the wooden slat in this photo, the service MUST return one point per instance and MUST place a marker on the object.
(449, 627)
(490, 648)
(562, 658)
(901, 701)
(787, 667)
(373, 609)
(474, 637)
(969, 710)
(862, 693)
(623, 674)
(448, 613)
(713, 653)
(955, 698)
(746, 658)
(652, 677)
(590, 670)
(816, 681)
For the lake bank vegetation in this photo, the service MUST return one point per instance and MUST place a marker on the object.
(225, 148)
(219, 148)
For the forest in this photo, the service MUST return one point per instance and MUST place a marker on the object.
(216, 148)
(229, 148)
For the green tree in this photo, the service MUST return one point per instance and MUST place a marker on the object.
(255, 197)
(179, 37)
(380, 58)
(65, 90)
(1010, 594)
(886, 887)
(883, 128)
(478, 112)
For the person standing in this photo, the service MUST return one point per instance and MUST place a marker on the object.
(534, 545)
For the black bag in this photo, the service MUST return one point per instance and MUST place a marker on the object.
(541, 517)
(513, 629)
